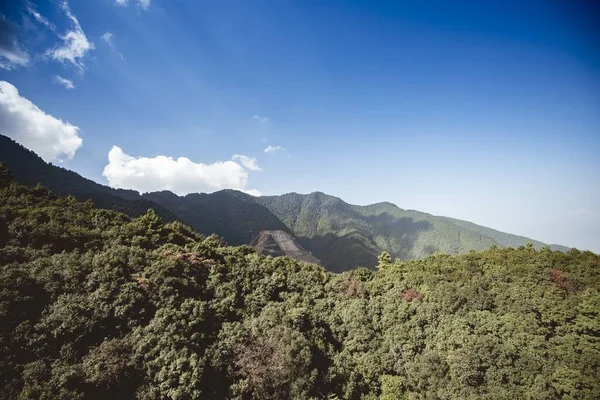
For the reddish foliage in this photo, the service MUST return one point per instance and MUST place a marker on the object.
(560, 279)
(143, 283)
(352, 288)
(268, 364)
(412, 294)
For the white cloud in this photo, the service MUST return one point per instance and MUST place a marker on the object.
(252, 192)
(142, 3)
(20, 119)
(181, 175)
(75, 44)
(64, 81)
(248, 162)
(13, 56)
(108, 38)
(262, 120)
(39, 17)
(273, 149)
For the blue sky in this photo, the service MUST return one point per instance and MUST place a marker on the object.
(483, 111)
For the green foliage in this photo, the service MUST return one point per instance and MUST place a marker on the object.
(392, 388)
(384, 260)
(96, 305)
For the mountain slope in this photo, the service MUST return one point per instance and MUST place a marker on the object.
(503, 239)
(280, 243)
(341, 235)
(29, 169)
(231, 214)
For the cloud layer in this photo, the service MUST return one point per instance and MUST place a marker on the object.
(20, 119)
(181, 175)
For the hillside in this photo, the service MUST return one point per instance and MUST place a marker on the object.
(97, 305)
(503, 239)
(230, 214)
(29, 169)
(339, 234)
(280, 243)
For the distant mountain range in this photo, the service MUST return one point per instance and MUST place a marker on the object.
(341, 235)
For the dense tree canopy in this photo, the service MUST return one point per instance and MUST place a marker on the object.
(96, 305)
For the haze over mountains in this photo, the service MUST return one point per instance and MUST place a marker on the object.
(341, 235)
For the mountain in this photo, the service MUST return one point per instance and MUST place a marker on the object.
(503, 239)
(231, 214)
(29, 169)
(339, 234)
(280, 243)
(342, 234)
(97, 305)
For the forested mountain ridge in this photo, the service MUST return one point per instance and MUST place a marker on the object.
(29, 169)
(341, 235)
(230, 214)
(96, 305)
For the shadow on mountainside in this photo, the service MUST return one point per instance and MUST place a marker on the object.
(355, 249)
(233, 215)
(342, 253)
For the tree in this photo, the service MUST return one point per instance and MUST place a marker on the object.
(392, 388)
(384, 260)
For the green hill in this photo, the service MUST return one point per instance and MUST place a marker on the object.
(341, 235)
(98, 305)
(231, 214)
(503, 239)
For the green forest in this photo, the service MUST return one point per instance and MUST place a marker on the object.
(95, 304)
